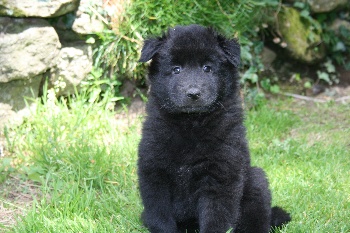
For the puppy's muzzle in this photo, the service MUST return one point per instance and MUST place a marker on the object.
(193, 93)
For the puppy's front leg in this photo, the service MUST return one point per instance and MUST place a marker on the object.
(157, 215)
(217, 215)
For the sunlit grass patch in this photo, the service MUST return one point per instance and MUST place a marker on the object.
(84, 165)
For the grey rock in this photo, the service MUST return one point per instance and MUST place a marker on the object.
(37, 8)
(10, 118)
(73, 66)
(267, 57)
(340, 24)
(7, 116)
(28, 48)
(17, 92)
(320, 6)
(87, 20)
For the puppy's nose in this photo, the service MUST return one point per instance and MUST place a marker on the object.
(193, 93)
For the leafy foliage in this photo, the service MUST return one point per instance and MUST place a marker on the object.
(337, 43)
(121, 44)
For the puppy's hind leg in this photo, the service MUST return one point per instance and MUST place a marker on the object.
(256, 204)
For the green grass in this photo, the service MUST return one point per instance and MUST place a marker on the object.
(84, 164)
(305, 152)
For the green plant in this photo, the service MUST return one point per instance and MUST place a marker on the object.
(328, 73)
(253, 98)
(6, 168)
(335, 42)
(267, 85)
(100, 90)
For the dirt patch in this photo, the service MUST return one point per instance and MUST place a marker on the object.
(133, 114)
(334, 94)
(337, 94)
(330, 109)
(16, 196)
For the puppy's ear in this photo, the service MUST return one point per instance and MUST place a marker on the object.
(150, 48)
(231, 49)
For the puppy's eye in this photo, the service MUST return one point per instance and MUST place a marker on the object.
(176, 70)
(206, 69)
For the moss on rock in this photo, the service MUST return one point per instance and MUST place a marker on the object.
(5, 10)
(303, 37)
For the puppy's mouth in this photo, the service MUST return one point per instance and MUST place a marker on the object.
(195, 109)
(201, 105)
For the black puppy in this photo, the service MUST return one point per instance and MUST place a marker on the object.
(194, 165)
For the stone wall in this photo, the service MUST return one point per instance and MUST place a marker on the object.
(42, 40)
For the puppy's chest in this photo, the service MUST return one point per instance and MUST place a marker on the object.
(193, 176)
(183, 175)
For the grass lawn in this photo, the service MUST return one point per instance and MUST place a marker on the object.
(76, 167)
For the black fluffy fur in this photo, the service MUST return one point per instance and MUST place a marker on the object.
(194, 164)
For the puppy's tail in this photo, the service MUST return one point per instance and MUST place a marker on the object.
(279, 217)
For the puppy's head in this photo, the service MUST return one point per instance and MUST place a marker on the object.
(193, 69)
